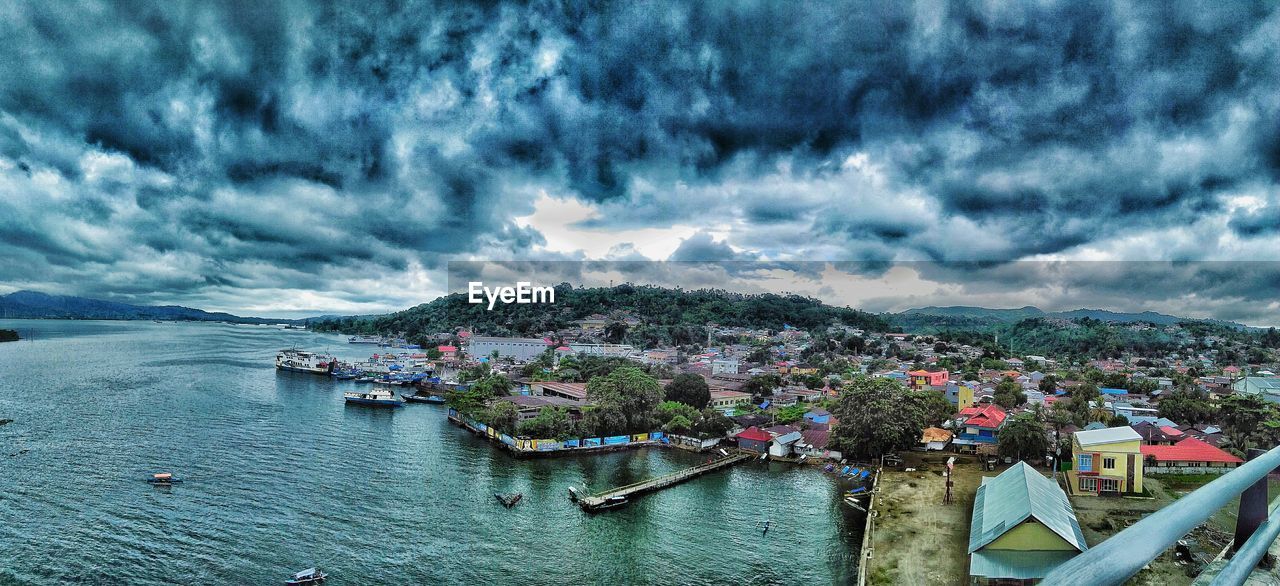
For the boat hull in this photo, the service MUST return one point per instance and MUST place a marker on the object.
(311, 370)
(375, 402)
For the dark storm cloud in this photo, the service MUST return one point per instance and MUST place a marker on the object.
(160, 150)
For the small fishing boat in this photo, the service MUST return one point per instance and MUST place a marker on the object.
(163, 479)
(854, 503)
(421, 398)
(573, 494)
(375, 397)
(508, 500)
(307, 576)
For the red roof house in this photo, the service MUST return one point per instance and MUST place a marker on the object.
(1189, 455)
(978, 425)
(753, 438)
(990, 416)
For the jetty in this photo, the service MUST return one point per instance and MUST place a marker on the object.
(623, 494)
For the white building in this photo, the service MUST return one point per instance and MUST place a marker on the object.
(523, 349)
(724, 366)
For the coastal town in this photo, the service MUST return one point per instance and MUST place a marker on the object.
(919, 429)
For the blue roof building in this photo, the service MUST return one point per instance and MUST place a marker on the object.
(1023, 527)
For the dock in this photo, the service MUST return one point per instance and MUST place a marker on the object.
(609, 498)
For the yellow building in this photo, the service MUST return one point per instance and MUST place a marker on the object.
(1106, 461)
(724, 400)
(1022, 528)
(964, 396)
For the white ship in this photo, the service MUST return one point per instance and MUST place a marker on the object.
(303, 361)
(376, 397)
(364, 340)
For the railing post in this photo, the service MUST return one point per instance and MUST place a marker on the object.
(1253, 507)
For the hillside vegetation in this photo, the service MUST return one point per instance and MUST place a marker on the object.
(667, 315)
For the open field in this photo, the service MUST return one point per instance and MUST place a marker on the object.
(918, 539)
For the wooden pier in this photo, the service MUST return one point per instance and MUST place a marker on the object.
(622, 494)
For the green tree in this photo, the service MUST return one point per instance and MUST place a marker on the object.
(762, 385)
(1049, 384)
(493, 385)
(1143, 386)
(474, 373)
(877, 416)
(503, 416)
(1118, 421)
(669, 410)
(1059, 416)
(689, 389)
(615, 332)
(551, 422)
(634, 393)
(937, 409)
(602, 420)
(1242, 416)
(467, 402)
(1187, 405)
(1023, 437)
(679, 425)
(712, 423)
(1009, 394)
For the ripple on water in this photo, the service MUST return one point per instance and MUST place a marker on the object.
(282, 475)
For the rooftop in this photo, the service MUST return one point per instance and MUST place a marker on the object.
(754, 434)
(991, 415)
(1002, 502)
(1188, 450)
(1110, 435)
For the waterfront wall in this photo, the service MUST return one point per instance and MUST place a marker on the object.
(864, 554)
(523, 446)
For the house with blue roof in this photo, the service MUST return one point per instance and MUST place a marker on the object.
(1022, 528)
(818, 415)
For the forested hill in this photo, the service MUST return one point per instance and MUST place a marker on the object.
(674, 314)
(36, 305)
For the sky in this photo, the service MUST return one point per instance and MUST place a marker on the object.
(295, 158)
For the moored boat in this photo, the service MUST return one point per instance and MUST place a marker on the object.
(423, 398)
(364, 340)
(303, 361)
(163, 479)
(377, 397)
(307, 576)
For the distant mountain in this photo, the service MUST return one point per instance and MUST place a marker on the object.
(966, 311)
(978, 315)
(36, 305)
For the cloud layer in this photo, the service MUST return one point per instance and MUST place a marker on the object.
(295, 156)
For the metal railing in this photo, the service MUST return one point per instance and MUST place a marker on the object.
(1122, 555)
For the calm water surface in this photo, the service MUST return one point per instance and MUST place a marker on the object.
(281, 475)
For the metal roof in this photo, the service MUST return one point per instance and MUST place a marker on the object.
(1005, 501)
(1110, 435)
(1266, 384)
(789, 438)
(1017, 565)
